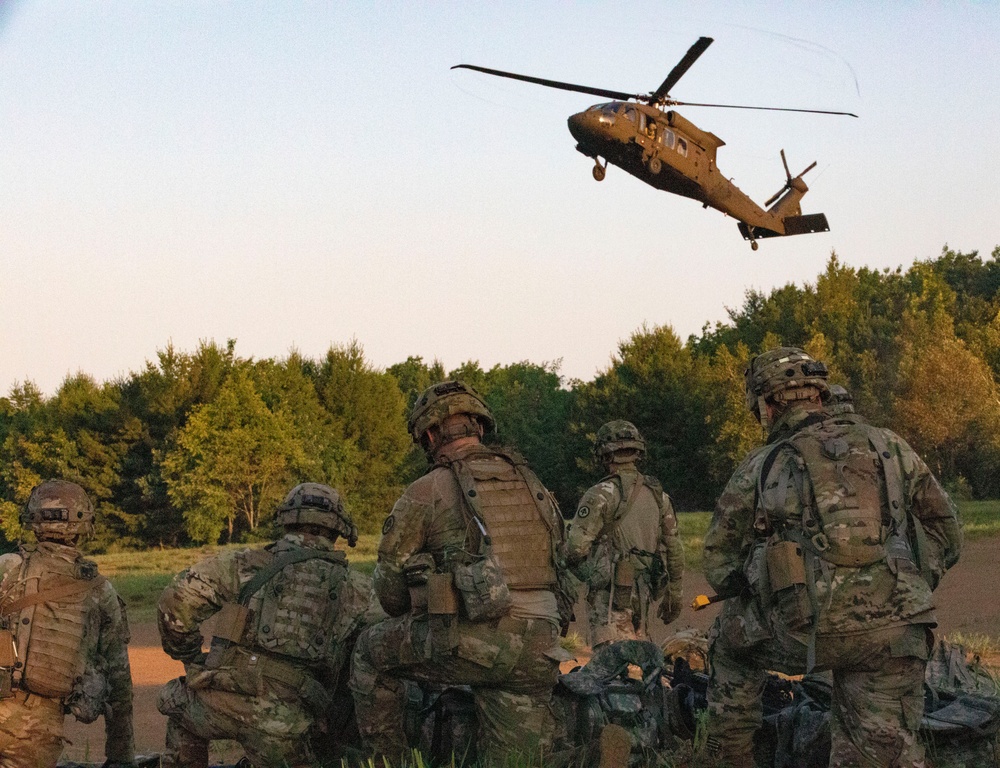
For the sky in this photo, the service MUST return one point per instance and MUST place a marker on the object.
(300, 175)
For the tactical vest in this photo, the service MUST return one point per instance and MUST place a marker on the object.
(840, 490)
(295, 610)
(49, 634)
(517, 511)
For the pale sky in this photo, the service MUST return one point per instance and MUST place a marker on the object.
(304, 174)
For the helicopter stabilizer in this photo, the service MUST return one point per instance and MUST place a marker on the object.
(794, 225)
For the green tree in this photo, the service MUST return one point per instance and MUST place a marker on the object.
(231, 462)
(368, 416)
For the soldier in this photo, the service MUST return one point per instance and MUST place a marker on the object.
(829, 541)
(63, 637)
(468, 569)
(285, 618)
(624, 542)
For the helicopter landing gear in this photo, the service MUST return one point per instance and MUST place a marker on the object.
(655, 165)
(753, 245)
(600, 171)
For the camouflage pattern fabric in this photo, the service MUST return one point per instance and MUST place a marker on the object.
(504, 660)
(868, 624)
(32, 724)
(645, 541)
(30, 731)
(267, 702)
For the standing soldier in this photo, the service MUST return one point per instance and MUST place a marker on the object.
(63, 637)
(285, 616)
(468, 567)
(624, 543)
(828, 540)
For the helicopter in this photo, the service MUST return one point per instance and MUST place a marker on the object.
(669, 152)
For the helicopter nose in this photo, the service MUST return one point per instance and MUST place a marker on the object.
(577, 125)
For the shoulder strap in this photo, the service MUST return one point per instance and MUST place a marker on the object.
(280, 562)
(54, 595)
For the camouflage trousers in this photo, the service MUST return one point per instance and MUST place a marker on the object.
(31, 729)
(504, 662)
(272, 729)
(877, 704)
(620, 623)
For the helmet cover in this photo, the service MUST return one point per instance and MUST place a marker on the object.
(783, 374)
(618, 435)
(446, 399)
(58, 509)
(317, 504)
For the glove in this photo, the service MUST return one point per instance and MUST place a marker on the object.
(670, 606)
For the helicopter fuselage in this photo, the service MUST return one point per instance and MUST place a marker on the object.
(667, 151)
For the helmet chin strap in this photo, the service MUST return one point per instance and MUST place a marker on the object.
(762, 414)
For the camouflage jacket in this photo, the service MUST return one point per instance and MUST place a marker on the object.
(430, 519)
(646, 536)
(104, 647)
(851, 599)
(200, 592)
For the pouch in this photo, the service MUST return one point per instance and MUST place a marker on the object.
(786, 573)
(7, 653)
(785, 565)
(483, 588)
(624, 573)
(231, 622)
(442, 599)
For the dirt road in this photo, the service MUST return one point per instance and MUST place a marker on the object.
(968, 601)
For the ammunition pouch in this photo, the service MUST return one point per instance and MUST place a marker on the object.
(624, 573)
(6, 682)
(482, 588)
(240, 670)
(416, 570)
(442, 598)
(231, 622)
(787, 582)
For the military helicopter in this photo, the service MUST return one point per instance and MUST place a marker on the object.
(671, 153)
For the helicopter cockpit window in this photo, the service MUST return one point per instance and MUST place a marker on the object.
(608, 112)
(667, 138)
(682, 147)
(630, 113)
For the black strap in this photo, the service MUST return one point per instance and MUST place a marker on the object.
(280, 562)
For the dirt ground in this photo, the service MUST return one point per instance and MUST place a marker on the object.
(968, 601)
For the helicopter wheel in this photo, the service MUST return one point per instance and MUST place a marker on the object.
(599, 172)
(655, 165)
(753, 245)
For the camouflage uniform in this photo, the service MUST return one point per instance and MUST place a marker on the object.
(868, 623)
(269, 682)
(640, 551)
(72, 649)
(509, 659)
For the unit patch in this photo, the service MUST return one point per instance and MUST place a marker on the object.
(582, 512)
(387, 525)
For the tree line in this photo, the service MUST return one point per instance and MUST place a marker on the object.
(200, 446)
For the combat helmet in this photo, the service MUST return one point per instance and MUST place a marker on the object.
(783, 374)
(618, 435)
(59, 510)
(446, 399)
(317, 504)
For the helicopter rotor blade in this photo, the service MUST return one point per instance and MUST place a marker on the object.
(617, 95)
(808, 169)
(775, 196)
(681, 68)
(784, 162)
(673, 103)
